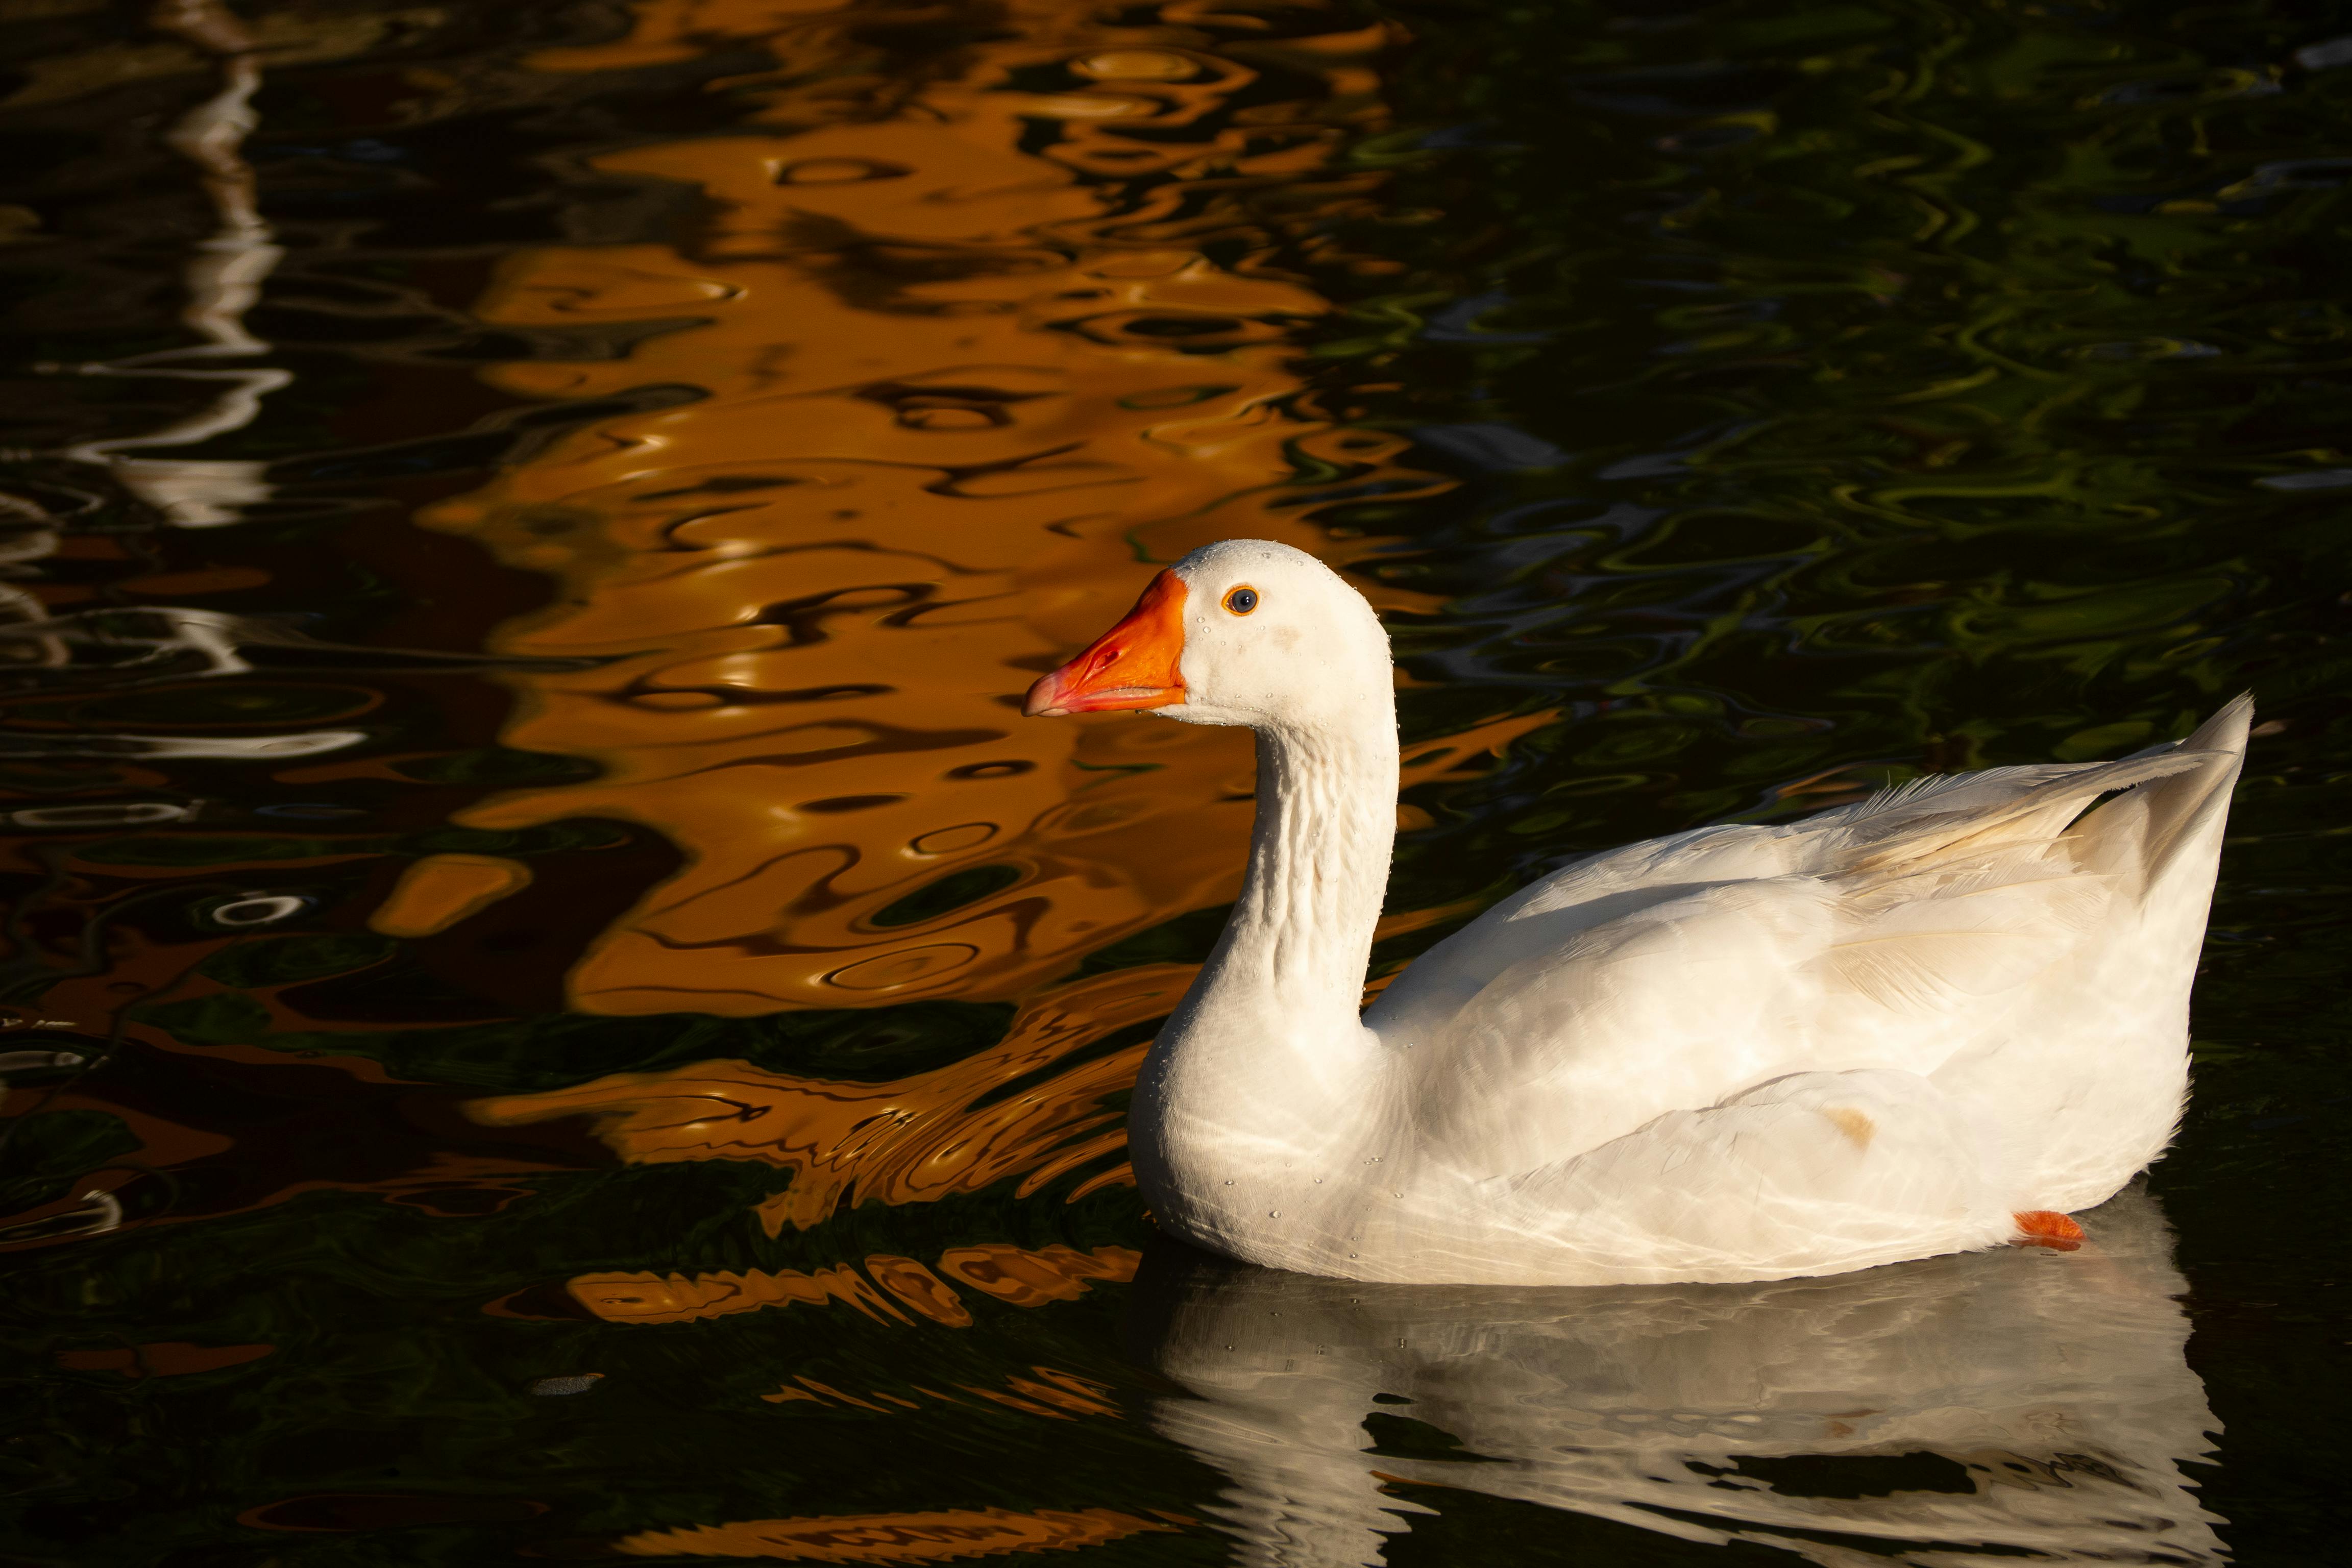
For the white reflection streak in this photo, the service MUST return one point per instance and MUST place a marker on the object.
(235, 748)
(224, 280)
(1946, 1411)
(18, 551)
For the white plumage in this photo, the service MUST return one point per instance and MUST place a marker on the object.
(1734, 1053)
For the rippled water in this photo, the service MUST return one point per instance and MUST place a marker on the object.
(554, 1008)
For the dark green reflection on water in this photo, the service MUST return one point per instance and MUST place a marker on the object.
(1837, 392)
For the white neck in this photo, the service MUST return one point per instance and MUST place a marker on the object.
(1266, 1060)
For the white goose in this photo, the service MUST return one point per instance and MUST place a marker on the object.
(1922, 1024)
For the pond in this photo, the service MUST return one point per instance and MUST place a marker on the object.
(555, 1008)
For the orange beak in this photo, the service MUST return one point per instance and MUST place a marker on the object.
(1133, 665)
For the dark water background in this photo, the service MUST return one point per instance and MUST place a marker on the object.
(1732, 407)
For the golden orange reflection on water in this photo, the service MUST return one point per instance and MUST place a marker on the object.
(1051, 1393)
(967, 373)
(890, 1290)
(912, 1140)
(940, 1536)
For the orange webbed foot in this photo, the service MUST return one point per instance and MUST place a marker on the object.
(2046, 1227)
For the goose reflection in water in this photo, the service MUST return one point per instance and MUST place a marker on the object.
(1954, 1410)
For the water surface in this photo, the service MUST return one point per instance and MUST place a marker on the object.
(554, 1007)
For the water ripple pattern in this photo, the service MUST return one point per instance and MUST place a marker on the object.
(553, 1007)
(958, 367)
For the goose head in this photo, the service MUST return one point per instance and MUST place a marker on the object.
(1245, 632)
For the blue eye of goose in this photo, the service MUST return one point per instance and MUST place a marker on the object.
(1242, 601)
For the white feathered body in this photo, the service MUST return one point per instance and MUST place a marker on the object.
(1736, 1053)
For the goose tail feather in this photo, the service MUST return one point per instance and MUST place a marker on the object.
(2188, 808)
